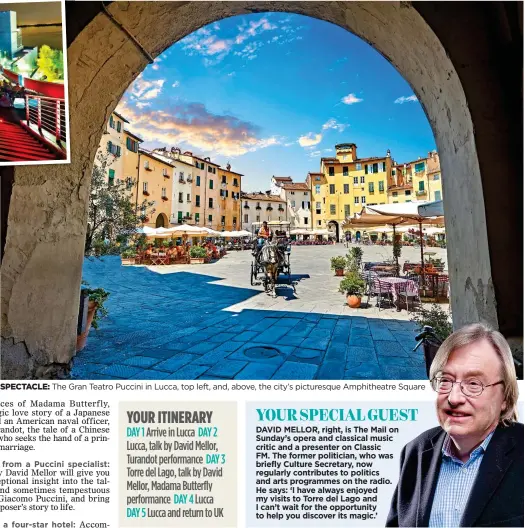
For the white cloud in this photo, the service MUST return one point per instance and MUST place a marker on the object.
(176, 84)
(401, 100)
(143, 89)
(332, 123)
(314, 154)
(350, 99)
(310, 139)
(232, 74)
(142, 105)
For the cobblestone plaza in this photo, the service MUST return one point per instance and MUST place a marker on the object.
(207, 321)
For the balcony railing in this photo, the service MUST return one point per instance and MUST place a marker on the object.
(166, 175)
(189, 178)
(421, 193)
(48, 114)
(145, 193)
(182, 180)
(164, 198)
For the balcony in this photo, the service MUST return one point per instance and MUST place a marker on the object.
(182, 180)
(269, 208)
(145, 193)
(164, 198)
(281, 209)
(189, 178)
(166, 175)
(188, 200)
(246, 206)
(148, 168)
(258, 208)
(421, 193)
(181, 200)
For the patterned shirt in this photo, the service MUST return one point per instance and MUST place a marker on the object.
(454, 485)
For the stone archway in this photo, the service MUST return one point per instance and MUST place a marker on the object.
(40, 292)
(161, 221)
(334, 227)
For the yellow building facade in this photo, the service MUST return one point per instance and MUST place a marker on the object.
(154, 185)
(345, 184)
(229, 199)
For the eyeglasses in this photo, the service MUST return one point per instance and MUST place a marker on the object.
(470, 387)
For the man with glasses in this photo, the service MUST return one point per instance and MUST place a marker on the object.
(469, 471)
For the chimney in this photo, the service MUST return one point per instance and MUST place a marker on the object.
(388, 153)
(228, 166)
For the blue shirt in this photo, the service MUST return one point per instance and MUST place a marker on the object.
(454, 484)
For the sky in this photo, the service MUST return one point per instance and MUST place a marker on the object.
(29, 13)
(272, 93)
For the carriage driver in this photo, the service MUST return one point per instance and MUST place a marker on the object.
(263, 234)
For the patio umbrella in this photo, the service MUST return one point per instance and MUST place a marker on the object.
(409, 211)
(186, 229)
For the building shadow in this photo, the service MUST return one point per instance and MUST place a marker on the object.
(179, 326)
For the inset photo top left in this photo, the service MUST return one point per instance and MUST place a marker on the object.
(34, 121)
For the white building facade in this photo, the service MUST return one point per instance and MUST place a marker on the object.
(298, 199)
(260, 207)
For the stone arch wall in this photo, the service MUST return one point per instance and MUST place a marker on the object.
(41, 269)
(162, 220)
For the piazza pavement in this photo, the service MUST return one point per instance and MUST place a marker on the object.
(206, 321)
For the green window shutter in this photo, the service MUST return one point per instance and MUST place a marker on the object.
(119, 126)
(109, 146)
(128, 143)
(180, 216)
(366, 169)
(371, 187)
(421, 185)
(211, 184)
(197, 217)
(111, 176)
(198, 182)
(420, 166)
(381, 186)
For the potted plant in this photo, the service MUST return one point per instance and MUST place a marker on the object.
(96, 311)
(128, 257)
(354, 259)
(197, 255)
(354, 287)
(338, 264)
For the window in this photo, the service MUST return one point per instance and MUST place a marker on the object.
(394, 194)
(198, 181)
(146, 164)
(223, 179)
(346, 188)
(163, 192)
(381, 186)
(436, 177)
(356, 180)
(181, 197)
(317, 189)
(318, 222)
(111, 177)
(382, 167)
(179, 217)
(211, 184)
(305, 220)
(420, 167)
(331, 171)
(363, 199)
(132, 145)
(258, 218)
(437, 195)
(332, 188)
(370, 187)
(210, 168)
(144, 186)
(210, 203)
(393, 172)
(197, 217)
(292, 192)
(347, 210)
(358, 166)
(407, 193)
(245, 219)
(111, 121)
(318, 178)
(234, 220)
(235, 182)
(421, 185)
(332, 209)
(119, 126)
(197, 201)
(356, 200)
(344, 157)
(345, 171)
(210, 218)
(362, 180)
(223, 220)
(318, 205)
(375, 167)
(305, 194)
(292, 203)
(188, 197)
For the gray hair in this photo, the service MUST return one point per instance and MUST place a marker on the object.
(477, 332)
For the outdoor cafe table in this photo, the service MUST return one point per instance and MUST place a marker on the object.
(396, 285)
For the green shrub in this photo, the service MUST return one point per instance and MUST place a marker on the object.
(99, 296)
(354, 259)
(435, 317)
(352, 284)
(338, 263)
(128, 253)
(198, 252)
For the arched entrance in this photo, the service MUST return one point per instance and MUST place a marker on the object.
(40, 293)
(162, 220)
(333, 226)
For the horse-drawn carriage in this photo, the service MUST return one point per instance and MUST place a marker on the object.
(271, 257)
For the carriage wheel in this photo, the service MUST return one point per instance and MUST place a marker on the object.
(289, 275)
(253, 275)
